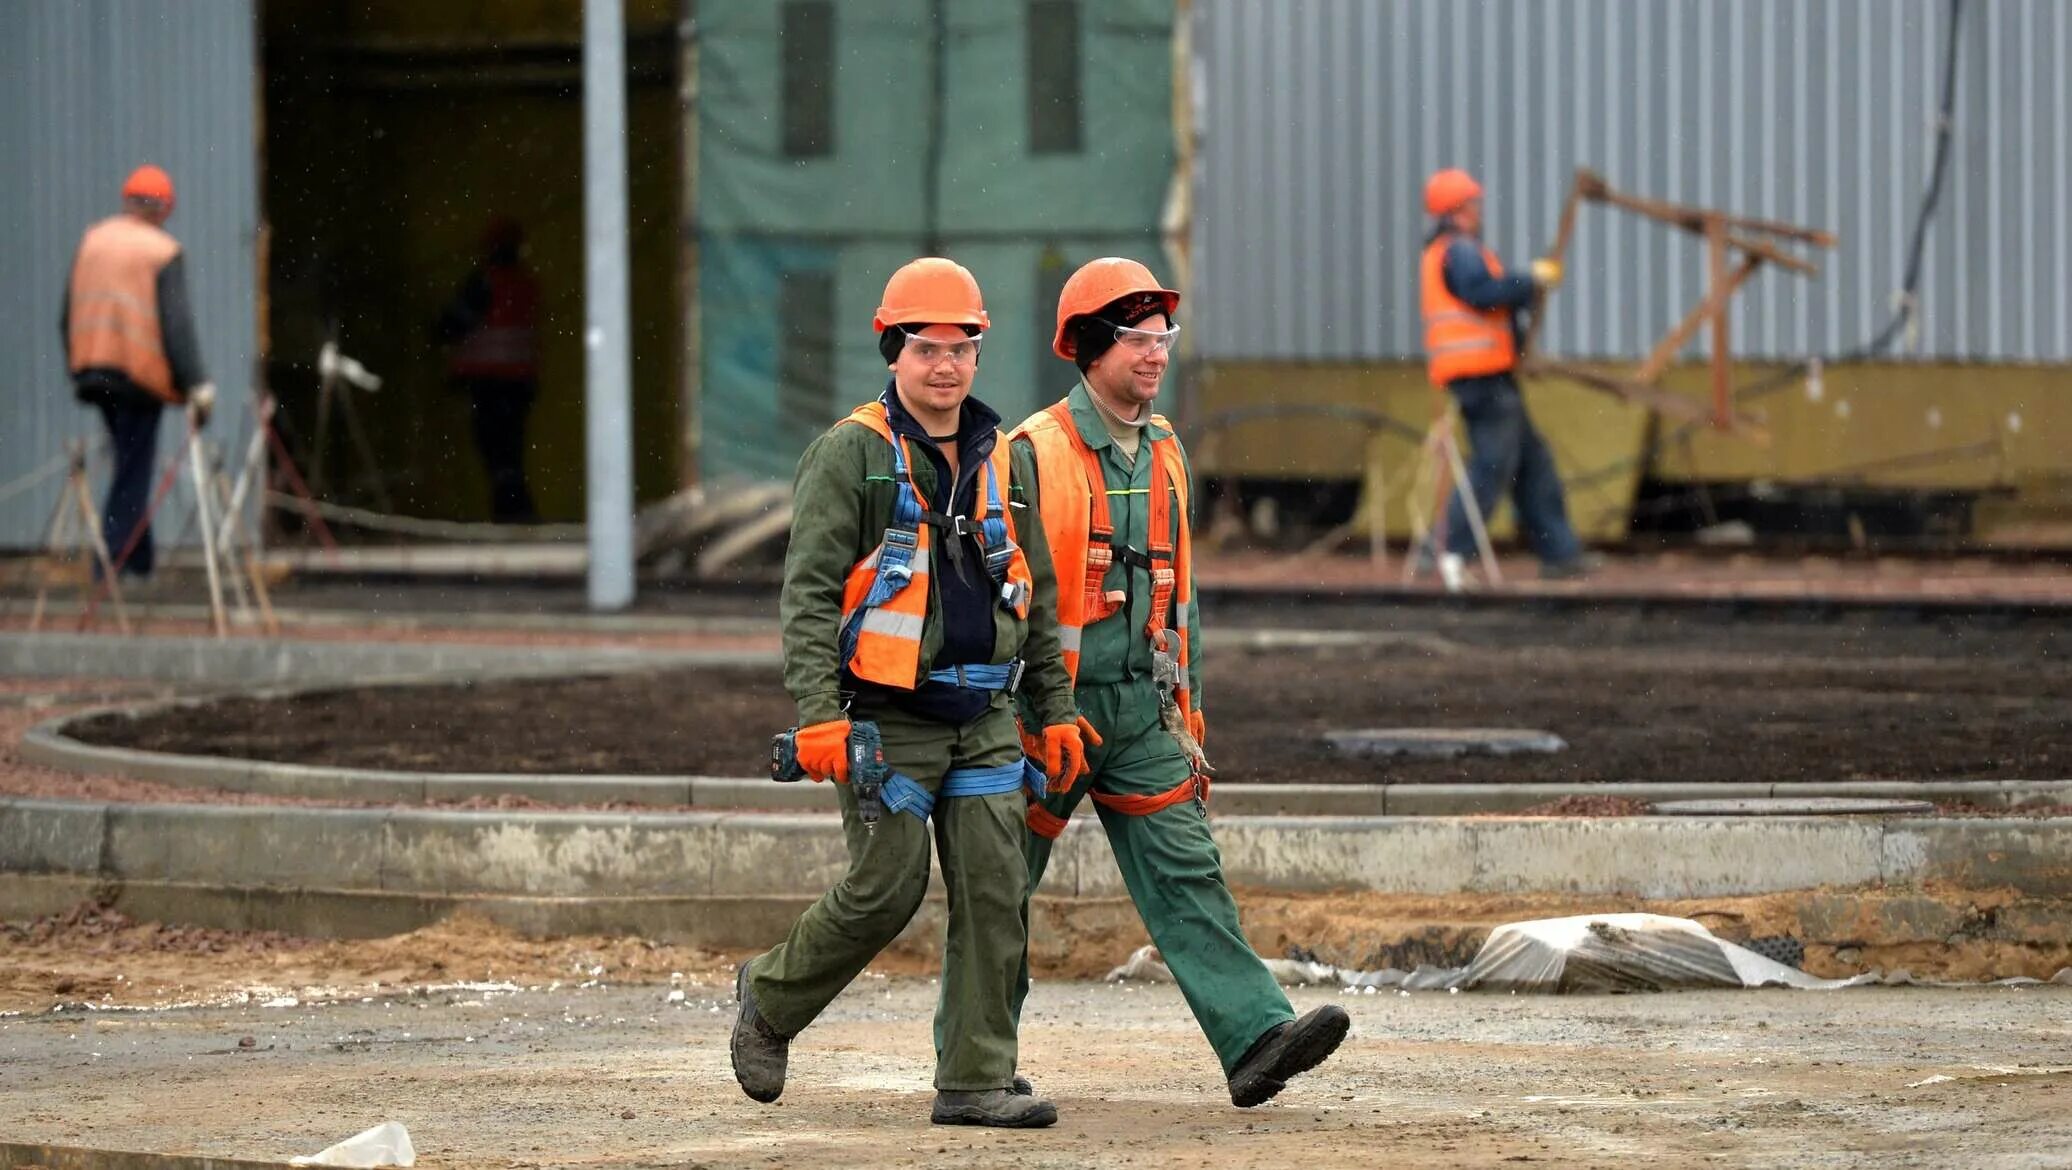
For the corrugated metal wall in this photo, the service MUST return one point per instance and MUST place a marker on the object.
(88, 90)
(1323, 117)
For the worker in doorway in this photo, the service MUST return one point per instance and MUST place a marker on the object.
(1113, 493)
(1471, 329)
(492, 330)
(916, 598)
(131, 350)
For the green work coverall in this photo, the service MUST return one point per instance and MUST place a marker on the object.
(842, 502)
(1168, 859)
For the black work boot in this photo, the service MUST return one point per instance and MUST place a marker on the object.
(1287, 1050)
(999, 1107)
(759, 1051)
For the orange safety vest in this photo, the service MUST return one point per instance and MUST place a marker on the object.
(1073, 500)
(885, 598)
(506, 343)
(1460, 340)
(112, 315)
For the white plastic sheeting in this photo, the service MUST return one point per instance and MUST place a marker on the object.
(1588, 953)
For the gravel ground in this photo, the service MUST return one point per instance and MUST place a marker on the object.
(619, 1076)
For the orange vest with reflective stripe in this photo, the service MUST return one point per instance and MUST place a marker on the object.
(1073, 500)
(888, 635)
(1460, 340)
(112, 316)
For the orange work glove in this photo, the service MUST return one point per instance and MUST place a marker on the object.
(1063, 752)
(1197, 727)
(1064, 755)
(824, 750)
(1087, 733)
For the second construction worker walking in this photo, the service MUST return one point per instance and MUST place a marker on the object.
(1113, 492)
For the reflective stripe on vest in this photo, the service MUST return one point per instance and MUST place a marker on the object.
(1461, 341)
(886, 595)
(112, 313)
(506, 343)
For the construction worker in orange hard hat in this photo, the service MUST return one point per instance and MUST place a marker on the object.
(917, 600)
(1113, 493)
(1471, 313)
(131, 350)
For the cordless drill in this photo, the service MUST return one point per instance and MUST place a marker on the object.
(867, 768)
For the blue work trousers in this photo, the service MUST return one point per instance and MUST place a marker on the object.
(1507, 456)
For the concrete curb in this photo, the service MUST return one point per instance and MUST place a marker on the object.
(257, 661)
(1214, 638)
(25, 1156)
(49, 745)
(736, 855)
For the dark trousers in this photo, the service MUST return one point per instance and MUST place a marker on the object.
(500, 406)
(133, 434)
(1507, 456)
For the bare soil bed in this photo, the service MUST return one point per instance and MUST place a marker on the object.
(1647, 699)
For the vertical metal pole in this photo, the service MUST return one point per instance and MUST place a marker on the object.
(607, 385)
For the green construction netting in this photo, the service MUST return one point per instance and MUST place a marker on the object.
(837, 140)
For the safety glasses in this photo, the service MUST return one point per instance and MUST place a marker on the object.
(1146, 341)
(931, 352)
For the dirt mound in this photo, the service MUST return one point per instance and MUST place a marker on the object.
(95, 955)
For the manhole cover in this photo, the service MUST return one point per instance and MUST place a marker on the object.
(1444, 742)
(1788, 806)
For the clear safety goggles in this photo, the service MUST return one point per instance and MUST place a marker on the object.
(1146, 341)
(932, 352)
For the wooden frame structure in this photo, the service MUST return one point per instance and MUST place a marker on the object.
(1735, 247)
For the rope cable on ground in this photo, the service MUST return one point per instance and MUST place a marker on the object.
(423, 527)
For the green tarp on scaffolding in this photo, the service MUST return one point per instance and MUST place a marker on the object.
(836, 141)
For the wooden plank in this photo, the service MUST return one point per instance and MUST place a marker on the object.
(1692, 219)
(1715, 302)
(1722, 353)
(1564, 232)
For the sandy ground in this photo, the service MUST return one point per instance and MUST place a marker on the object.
(611, 1075)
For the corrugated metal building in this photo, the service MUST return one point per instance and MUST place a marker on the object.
(89, 89)
(1321, 119)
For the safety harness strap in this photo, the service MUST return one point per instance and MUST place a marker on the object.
(1005, 676)
(1045, 823)
(903, 794)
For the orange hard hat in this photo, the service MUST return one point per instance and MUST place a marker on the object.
(149, 182)
(1098, 284)
(1450, 190)
(931, 291)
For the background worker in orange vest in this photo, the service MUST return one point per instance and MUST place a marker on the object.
(131, 350)
(1471, 327)
(917, 598)
(1112, 490)
(492, 326)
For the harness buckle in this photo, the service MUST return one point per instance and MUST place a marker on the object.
(1014, 594)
